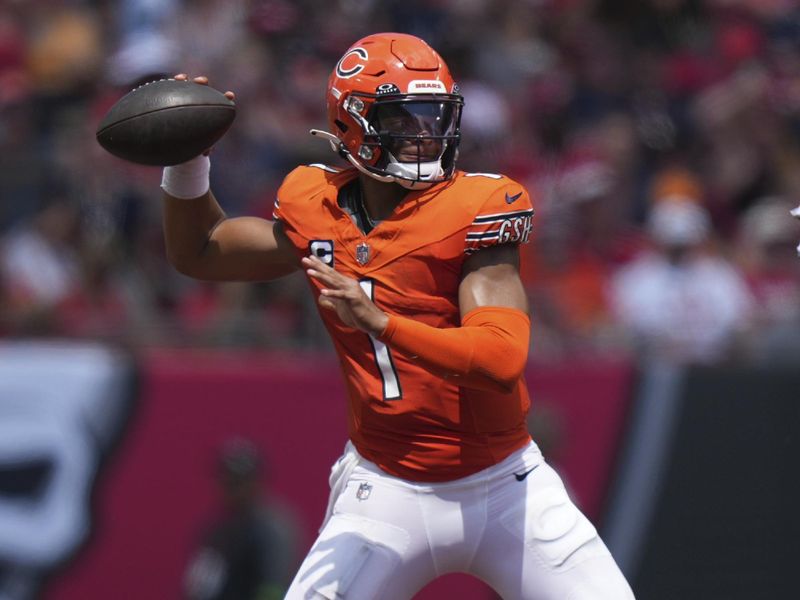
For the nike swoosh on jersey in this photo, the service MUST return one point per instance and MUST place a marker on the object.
(522, 476)
(511, 199)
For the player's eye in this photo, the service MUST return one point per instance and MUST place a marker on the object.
(397, 124)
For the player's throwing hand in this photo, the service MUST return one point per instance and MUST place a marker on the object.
(202, 80)
(345, 296)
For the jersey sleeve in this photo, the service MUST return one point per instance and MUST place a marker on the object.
(299, 195)
(298, 187)
(304, 205)
(286, 191)
(504, 218)
(276, 208)
(297, 205)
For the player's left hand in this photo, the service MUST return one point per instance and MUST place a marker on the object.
(345, 296)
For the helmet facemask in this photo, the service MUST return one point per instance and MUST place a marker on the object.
(411, 140)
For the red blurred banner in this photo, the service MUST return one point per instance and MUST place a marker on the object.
(159, 488)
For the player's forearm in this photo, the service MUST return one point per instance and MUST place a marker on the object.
(190, 214)
(489, 350)
(188, 226)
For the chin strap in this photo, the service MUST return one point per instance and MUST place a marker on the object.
(338, 146)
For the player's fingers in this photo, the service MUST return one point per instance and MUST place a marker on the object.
(201, 79)
(181, 77)
(316, 263)
(328, 271)
(341, 294)
(326, 303)
(230, 95)
(332, 278)
(322, 272)
(323, 277)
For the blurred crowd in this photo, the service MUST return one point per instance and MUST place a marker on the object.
(660, 138)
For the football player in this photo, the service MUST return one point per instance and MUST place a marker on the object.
(415, 267)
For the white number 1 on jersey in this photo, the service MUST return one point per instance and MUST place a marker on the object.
(383, 358)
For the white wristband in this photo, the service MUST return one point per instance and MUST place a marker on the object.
(187, 180)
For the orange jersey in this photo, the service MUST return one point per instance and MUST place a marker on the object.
(413, 423)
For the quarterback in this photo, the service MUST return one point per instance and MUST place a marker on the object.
(415, 268)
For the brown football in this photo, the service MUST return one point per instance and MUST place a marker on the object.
(166, 122)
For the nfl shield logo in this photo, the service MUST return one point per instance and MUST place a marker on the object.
(362, 253)
(364, 490)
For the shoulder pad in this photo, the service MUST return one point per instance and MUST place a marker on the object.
(305, 184)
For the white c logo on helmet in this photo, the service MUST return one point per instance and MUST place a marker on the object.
(346, 73)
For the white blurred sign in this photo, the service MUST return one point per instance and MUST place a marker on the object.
(61, 407)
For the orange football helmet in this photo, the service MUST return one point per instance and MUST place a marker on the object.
(394, 110)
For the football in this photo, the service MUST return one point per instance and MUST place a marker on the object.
(166, 122)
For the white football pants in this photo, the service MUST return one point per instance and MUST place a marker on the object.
(511, 525)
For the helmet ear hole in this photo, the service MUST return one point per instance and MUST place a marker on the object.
(342, 126)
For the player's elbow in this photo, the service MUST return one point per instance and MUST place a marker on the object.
(191, 256)
(179, 261)
(500, 337)
(188, 264)
(509, 379)
(506, 368)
